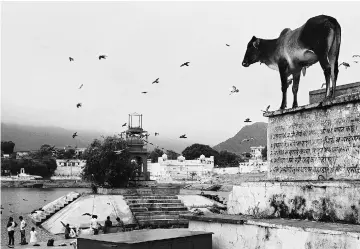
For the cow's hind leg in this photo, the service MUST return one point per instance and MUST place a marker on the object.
(295, 88)
(333, 59)
(325, 65)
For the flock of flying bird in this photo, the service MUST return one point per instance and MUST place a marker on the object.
(156, 81)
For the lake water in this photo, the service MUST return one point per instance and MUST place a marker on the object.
(21, 201)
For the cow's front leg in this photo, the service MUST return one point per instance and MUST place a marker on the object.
(284, 83)
(295, 88)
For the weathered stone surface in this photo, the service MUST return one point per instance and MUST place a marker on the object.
(244, 232)
(318, 139)
(324, 201)
(317, 96)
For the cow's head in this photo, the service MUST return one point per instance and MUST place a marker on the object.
(252, 54)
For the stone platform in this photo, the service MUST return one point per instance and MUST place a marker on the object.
(330, 201)
(316, 141)
(230, 231)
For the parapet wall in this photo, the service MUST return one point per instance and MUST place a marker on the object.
(320, 201)
(316, 139)
(233, 232)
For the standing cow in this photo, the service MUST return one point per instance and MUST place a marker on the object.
(318, 40)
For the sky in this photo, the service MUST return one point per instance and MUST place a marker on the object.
(149, 40)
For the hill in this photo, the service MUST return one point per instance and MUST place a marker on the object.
(27, 137)
(258, 131)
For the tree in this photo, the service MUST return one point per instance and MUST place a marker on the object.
(66, 154)
(228, 159)
(104, 166)
(7, 147)
(264, 153)
(196, 150)
(155, 154)
(193, 174)
(172, 155)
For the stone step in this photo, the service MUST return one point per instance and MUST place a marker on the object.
(155, 197)
(157, 217)
(145, 213)
(167, 209)
(153, 201)
(163, 222)
(150, 205)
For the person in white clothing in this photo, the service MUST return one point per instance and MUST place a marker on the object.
(11, 230)
(94, 224)
(22, 231)
(33, 236)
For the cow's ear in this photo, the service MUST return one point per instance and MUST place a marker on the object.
(256, 43)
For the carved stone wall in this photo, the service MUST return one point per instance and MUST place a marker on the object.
(317, 139)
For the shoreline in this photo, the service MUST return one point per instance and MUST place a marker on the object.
(66, 183)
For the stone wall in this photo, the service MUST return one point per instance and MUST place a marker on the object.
(166, 190)
(317, 96)
(324, 201)
(317, 139)
(241, 232)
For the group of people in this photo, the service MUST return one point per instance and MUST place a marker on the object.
(11, 225)
(95, 225)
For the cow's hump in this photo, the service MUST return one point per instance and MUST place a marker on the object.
(284, 32)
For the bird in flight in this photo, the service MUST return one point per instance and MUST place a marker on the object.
(267, 109)
(185, 64)
(144, 92)
(102, 57)
(356, 61)
(156, 134)
(247, 139)
(183, 136)
(71, 59)
(356, 55)
(81, 86)
(124, 125)
(247, 120)
(78, 105)
(86, 214)
(24, 200)
(156, 81)
(346, 65)
(74, 135)
(118, 152)
(228, 45)
(234, 90)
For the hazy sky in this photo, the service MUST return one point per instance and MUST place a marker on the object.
(149, 40)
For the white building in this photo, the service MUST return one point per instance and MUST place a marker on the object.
(69, 168)
(256, 152)
(181, 169)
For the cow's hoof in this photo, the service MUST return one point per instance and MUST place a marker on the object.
(295, 105)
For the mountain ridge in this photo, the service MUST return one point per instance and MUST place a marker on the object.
(237, 145)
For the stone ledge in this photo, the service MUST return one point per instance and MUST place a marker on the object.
(315, 183)
(300, 225)
(343, 99)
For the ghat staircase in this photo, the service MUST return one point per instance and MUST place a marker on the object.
(44, 213)
(157, 211)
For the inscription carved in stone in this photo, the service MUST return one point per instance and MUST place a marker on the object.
(316, 142)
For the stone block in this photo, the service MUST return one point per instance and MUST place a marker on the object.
(316, 141)
(335, 201)
(317, 96)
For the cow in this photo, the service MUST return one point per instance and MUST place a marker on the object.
(318, 40)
